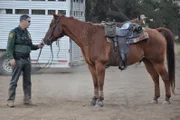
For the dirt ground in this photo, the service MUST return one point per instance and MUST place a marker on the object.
(65, 96)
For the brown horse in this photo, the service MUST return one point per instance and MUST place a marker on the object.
(96, 51)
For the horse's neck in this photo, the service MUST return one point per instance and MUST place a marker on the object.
(74, 29)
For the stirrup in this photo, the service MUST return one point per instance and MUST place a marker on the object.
(122, 61)
(122, 67)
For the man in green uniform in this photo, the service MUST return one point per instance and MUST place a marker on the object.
(18, 49)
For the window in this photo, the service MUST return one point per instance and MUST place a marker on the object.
(6, 11)
(78, 13)
(51, 0)
(38, 12)
(76, 1)
(62, 12)
(9, 11)
(82, 13)
(50, 12)
(21, 11)
(2, 11)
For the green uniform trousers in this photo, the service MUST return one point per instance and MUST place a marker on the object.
(22, 66)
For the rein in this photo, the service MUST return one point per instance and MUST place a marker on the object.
(58, 45)
(48, 64)
(49, 41)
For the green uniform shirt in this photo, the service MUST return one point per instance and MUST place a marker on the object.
(16, 36)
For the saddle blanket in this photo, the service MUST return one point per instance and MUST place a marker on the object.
(142, 36)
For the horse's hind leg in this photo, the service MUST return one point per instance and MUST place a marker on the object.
(95, 82)
(151, 70)
(160, 68)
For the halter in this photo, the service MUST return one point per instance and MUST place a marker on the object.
(52, 31)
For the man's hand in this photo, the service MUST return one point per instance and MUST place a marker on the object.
(41, 45)
(12, 62)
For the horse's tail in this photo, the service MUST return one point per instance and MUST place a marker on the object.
(170, 55)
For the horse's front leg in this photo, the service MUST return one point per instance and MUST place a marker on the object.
(95, 82)
(100, 73)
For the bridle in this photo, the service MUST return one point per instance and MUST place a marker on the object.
(49, 40)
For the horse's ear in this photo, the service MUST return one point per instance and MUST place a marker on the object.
(55, 16)
(52, 13)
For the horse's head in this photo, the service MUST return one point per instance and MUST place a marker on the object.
(55, 30)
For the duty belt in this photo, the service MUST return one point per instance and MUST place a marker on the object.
(18, 55)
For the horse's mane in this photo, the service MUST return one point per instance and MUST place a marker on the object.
(88, 29)
(97, 25)
(87, 23)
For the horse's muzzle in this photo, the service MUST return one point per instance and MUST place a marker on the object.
(47, 42)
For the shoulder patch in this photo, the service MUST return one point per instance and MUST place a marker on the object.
(11, 35)
(29, 35)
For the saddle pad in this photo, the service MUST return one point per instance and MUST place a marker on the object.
(142, 36)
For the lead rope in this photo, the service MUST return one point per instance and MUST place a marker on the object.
(48, 64)
(58, 45)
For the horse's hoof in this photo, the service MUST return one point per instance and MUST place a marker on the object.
(99, 103)
(93, 101)
(154, 102)
(166, 102)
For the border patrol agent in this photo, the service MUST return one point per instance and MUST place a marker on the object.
(18, 50)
